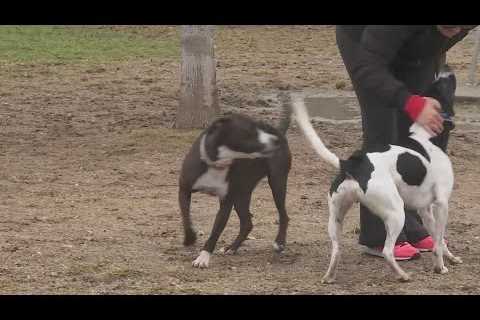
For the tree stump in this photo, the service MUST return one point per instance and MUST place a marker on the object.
(198, 89)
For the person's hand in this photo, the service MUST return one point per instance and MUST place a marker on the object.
(430, 117)
(449, 31)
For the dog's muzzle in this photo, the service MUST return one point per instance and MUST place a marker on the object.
(448, 122)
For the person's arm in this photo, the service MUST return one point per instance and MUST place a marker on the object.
(458, 37)
(379, 46)
(372, 74)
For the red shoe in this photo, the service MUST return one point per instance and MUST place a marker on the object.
(425, 245)
(402, 251)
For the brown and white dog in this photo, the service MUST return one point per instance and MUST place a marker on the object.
(228, 160)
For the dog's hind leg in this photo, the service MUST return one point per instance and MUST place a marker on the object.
(184, 199)
(383, 199)
(242, 207)
(394, 223)
(221, 219)
(278, 185)
(338, 205)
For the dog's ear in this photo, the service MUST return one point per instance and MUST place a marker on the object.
(216, 130)
(450, 80)
(214, 135)
(443, 89)
(218, 124)
(447, 89)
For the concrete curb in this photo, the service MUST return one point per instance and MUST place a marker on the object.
(467, 94)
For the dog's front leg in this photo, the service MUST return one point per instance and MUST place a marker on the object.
(221, 219)
(440, 247)
(453, 259)
(394, 223)
(429, 223)
(440, 212)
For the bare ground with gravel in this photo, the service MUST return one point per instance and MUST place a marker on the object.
(89, 168)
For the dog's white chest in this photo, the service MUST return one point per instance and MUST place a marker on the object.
(213, 182)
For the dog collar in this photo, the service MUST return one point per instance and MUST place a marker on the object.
(448, 121)
(219, 164)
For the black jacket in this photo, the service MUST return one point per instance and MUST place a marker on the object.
(393, 62)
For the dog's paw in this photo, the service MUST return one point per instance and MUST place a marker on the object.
(278, 247)
(440, 270)
(202, 260)
(404, 277)
(190, 238)
(455, 260)
(328, 280)
(228, 251)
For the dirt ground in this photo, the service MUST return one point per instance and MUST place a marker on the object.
(89, 168)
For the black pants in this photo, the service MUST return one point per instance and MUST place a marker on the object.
(380, 125)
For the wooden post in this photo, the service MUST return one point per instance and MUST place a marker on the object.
(472, 78)
(198, 89)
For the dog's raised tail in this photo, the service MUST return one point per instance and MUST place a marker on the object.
(303, 120)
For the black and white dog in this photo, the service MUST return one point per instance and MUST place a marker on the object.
(228, 160)
(417, 175)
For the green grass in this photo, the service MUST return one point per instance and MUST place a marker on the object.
(75, 44)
